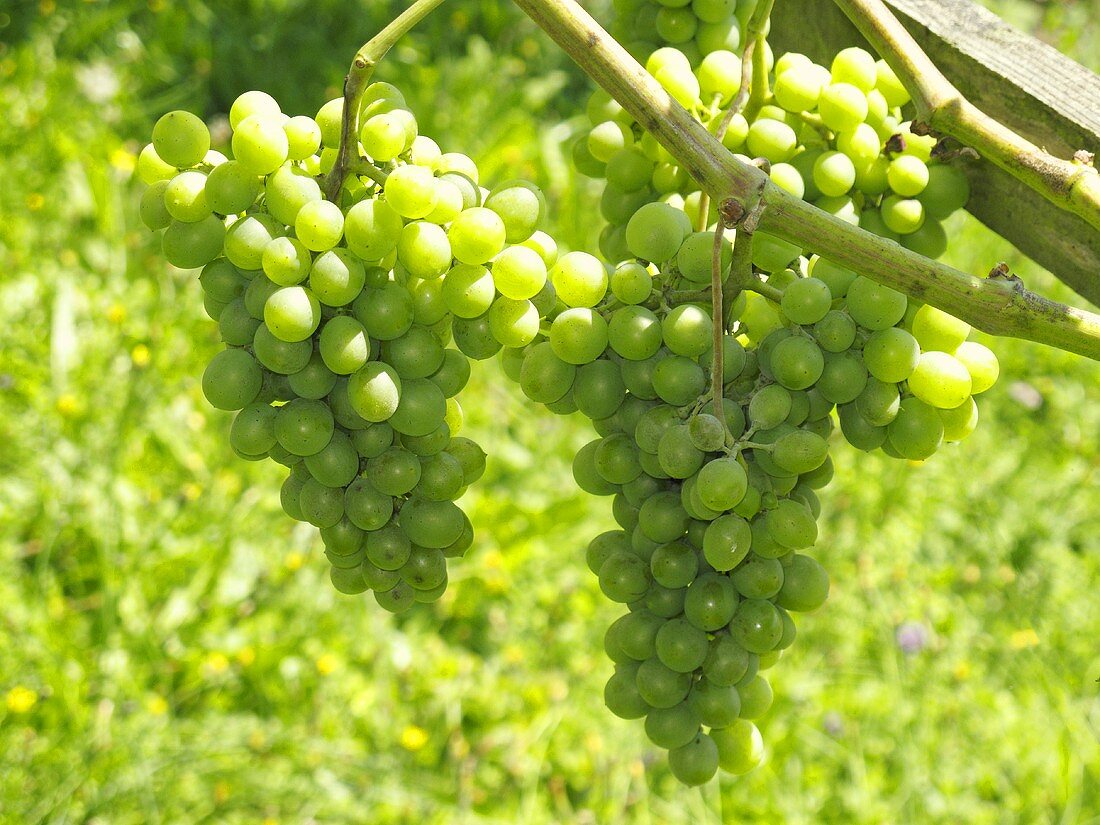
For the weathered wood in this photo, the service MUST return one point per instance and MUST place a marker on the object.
(1028, 85)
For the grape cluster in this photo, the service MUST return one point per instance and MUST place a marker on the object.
(718, 508)
(834, 137)
(338, 317)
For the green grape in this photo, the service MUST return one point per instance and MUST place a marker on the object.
(835, 332)
(232, 380)
(343, 345)
(314, 381)
(843, 378)
(717, 706)
(185, 197)
(440, 477)
(661, 687)
(246, 239)
(151, 168)
(634, 333)
(946, 192)
(678, 380)
(856, 66)
(616, 459)
(805, 585)
(468, 290)
(902, 215)
(788, 178)
(375, 391)
(771, 254)
(842, 106)
(888, 83)
(722, 484)
(579, 335)
(934, 329)
(798, 87)
(772, 139)
(385, 313)
(579, 279)
(800, 452)
(286, 261)
(797, 362)
(598, 389)
(221, 280)
(875, 306)
(677, 454)
(319, 225)
(758, 578)
(411, 191)
(521, 205)
(726, 542)
(399, 598)
(662, 518)
(672, 727)
(303, 137)
(624, 578)
(453, 373)
(236, 326)
(621, 694)
(711, 602)
(681, 646)
(395, 472)
(253, 429)
(940, 380)
(372, 229)
(834, 174)
(303, 427)
(384, 136)
(740, 747)
(421, 408)
(476, 235)
(879, 402)
(519, 273)
(981, 363)
(336, 464)
(656, 231)
(154, 213)
(959, 422)
(416, 354)
(836, 277)
(791, 524)
(806, 301)
(687, 330)
(756, 698)
(292, 313)
(251, 103)
(431, 524)
(917, 431)
(756, 626)
(287, 190)
(907, 175)
(891, 354)
(673, 565)
(370, 509)
(192, 245)
(861, 144)
(260, 145)
(181, 139)
(337, 277)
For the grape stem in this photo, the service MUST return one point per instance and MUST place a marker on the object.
(355, 84)
(998, 306)
(1068, 184)
(368, 169)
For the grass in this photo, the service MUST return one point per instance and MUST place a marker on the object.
(172, 650)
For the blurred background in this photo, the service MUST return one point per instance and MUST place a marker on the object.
(170, 646)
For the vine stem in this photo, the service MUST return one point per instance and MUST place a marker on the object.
(355, 84)
(995, 305)
(1067, 184)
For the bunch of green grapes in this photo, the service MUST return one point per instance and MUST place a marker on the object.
(718, 508)
(834, 137)
(338, 317)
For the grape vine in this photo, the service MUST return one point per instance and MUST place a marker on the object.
(714, 359)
